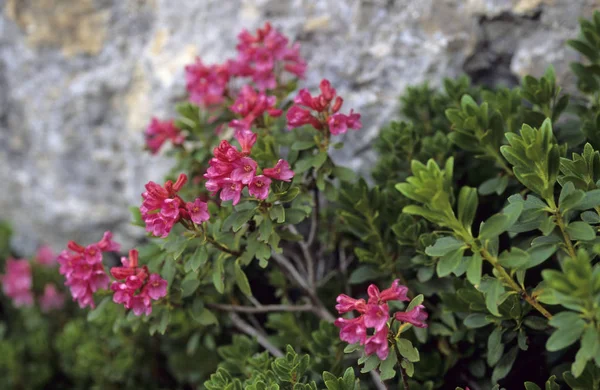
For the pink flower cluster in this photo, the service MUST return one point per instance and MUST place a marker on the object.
(45, 256)
(52, 299)
(162, 208)
(374, 313)
(251, 104)
(207, 85)
(231, 170)
(322, 111)
(16, 283)
(135, 288)
(83, 269)
(158, 132)
(261, 56)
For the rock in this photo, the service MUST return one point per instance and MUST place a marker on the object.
(79, 81)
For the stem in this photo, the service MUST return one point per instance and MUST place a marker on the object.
(250, 331)
(308, 258)
(223, 248)
(468, 238)
(402, 370)
(510, 281)
(260, 309)
(561, 226)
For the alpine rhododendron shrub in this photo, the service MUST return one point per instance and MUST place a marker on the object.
(466, 257)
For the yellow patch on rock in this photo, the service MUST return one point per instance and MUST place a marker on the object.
(77, 27)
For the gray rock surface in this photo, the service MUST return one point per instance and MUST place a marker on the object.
(80, 79)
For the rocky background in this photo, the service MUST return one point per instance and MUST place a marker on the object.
(80, 79)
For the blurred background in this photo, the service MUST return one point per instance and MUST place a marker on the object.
(80, 80)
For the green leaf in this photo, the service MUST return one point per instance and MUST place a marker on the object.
(416, 301)
(363, 274)
(386, 368)
(505, 365)
(565, 336)
(241, 280)
(99, 310)
(265, 229)
(467, 205)
(515, 259)
(289, 195)
(477, 320)
(198, 259)
(218, 277)
(371, 363)
(493, 227)
(449, 262)
(407, 350)
(303, 145)
(277, 213)
(474, 269)
(495, 348)
(241, 218)
(531, 386)
(188, 287)
(580, 231)
(165, 319)
(443, 246)
(294, 216)
(493, 290)
(319, 159)
(540, 253)
(206, 317)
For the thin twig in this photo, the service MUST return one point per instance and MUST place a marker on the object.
(250, 331)
(377, 380)
(318, 307)
(314, 225)
(260, 309)
(298, 263)
(284, 263)
(310, 262)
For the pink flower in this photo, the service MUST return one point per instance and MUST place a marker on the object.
(346, 304)
(353, 330)
(417, 316)
(83, 269)
(244, 170)
(353, 120)
(251, 105)
(247, 139)
(337, 124)
(232, 191)
(158, 132)
(259, 187)
(52, 299)
(378, 344)
(281, 171)
(139, 288)
(17, 282)
(140, 304)
(160, 207)
(198, 211)
(322, 111)
(156, 287)
(45, 256)
(376, 316)
(107, 244)
(396, 292)
(206, 85)
(297, 117)
(264, 55)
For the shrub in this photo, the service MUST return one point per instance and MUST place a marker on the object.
(471, 247)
